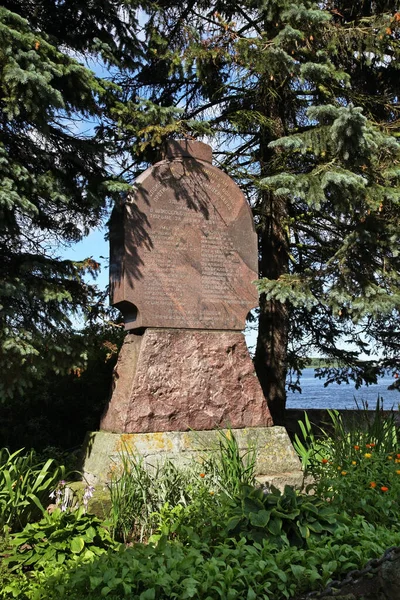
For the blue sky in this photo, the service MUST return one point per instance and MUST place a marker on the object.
(94, 246)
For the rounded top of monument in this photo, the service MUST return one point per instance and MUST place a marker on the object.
(188, 149)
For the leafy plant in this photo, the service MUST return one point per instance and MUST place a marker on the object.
(367, 427)
(234, 570)
(201, 520)
(287, 518)
(356, 464)
(60, 537)
(367, 483)
(308, 447)
(339, 441)
(25, 485)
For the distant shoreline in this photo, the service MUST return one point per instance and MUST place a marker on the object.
(314, 363)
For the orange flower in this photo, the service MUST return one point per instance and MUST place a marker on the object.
(343, 473)
(202, 475)
(372, 484)
(367, 455)
(384, 488)
(356, 447)
(398, 472)
(372, 445)
(324, 461)
(398, 455)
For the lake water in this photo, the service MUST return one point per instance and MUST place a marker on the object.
(340, 396)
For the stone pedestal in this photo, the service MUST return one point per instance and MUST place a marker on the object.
(276, 460)
(177, 380)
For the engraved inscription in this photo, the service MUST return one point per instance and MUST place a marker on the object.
(187, 270)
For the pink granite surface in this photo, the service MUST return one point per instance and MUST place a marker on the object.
(176, 380)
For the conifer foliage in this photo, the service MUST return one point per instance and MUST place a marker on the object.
(54, 177)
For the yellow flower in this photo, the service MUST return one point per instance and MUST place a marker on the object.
(367, 455)
(344, 473)
(398, 472)
(339, 468)
(390, 457)
(353, 462)
(212, 493)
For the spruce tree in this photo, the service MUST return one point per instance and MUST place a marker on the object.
(302, 101)
(55, 181)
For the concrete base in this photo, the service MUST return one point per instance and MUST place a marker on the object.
(276, 463)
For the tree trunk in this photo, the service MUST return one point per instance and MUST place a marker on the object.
(271, 351)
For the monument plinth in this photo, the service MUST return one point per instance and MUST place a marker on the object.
(182, 266)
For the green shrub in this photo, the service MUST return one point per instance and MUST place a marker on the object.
(376, 428)
(367, 483)
(138, 494)
(214, 538)
(228, 467)
(201, 520)
(58, 538)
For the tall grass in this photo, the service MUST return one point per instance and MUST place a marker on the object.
(139, 491)
(231, 468)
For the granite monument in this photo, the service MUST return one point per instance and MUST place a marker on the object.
(182, 269)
